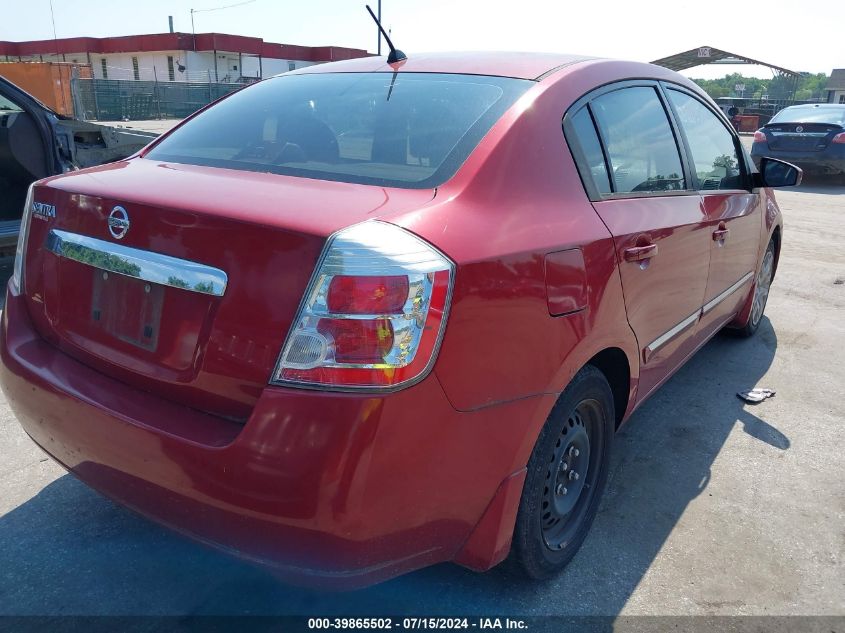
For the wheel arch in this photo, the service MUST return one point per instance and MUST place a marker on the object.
(613, 363)
(776, 238)
(490, 540)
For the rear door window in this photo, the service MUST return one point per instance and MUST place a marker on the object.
(716, 164)
(641, 147)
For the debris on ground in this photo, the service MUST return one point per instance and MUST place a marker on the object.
(756, 395)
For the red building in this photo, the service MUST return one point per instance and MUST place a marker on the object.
(177, 56)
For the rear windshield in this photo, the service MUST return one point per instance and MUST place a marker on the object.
(810, 114)
(403, 130)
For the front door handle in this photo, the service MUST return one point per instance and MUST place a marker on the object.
(639, 253)
(720, 235)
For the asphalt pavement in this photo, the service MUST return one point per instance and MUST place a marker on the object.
(713, 507)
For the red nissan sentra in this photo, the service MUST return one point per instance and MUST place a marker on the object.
(366, 317)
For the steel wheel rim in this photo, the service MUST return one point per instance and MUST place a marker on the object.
(572, 474)
(761, 290)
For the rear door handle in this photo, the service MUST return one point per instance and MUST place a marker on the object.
(719, 235)
(639, 253)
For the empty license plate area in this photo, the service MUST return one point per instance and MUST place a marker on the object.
(151, 329)
(126, 308)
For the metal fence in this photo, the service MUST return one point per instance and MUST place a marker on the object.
(127, 100)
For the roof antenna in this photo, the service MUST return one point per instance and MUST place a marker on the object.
(395, 54)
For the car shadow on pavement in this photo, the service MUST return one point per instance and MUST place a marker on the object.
(829, 185)
(69, 551)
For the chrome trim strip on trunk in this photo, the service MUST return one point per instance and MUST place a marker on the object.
(664, 338)
(140, 264)
(725, 294)
(800, 134)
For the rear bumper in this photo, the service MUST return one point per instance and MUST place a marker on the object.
(831, 159)
(338, 489)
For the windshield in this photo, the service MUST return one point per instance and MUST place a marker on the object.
(404, 130)
(810, 114)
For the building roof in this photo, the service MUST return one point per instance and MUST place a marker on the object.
(709, 55)
(837, 80)
(503, 64)
(179, 41)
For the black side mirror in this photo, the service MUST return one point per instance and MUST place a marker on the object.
(777, 173)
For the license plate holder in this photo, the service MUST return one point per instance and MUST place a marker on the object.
(126, 308)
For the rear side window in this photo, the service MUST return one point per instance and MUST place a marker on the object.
(640, 145)
(715, 160)
(585, 133)
(405, 130)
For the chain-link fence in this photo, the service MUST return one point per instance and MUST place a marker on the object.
(128, 100)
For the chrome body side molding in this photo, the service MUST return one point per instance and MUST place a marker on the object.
(725, 294)
(692, 319)
(135, 262)
(667, 336)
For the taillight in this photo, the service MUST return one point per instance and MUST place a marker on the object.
(20, 249)
(839, 138)
(760, 137)
(367, 295)
(374, 314)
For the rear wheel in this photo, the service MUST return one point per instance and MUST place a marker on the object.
(761, 292)
(566, 475)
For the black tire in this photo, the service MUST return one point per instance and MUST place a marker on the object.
(760, 292)
(541, 546)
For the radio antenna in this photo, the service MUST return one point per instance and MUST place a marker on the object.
(395, 54)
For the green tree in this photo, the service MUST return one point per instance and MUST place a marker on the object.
(807, 87)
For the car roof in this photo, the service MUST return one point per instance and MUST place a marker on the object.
(502, 64)
(824, 106)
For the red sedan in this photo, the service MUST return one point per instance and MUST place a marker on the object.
(366, 317)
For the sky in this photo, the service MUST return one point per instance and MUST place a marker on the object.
(779, 32)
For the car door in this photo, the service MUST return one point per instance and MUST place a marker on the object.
(26, 154)
(646, 200)
(733, 214)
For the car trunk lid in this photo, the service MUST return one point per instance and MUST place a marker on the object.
(189, 290)
(802, 137)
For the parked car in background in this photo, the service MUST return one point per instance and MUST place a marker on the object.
(365, 317)
(810, 136)
(36, 142)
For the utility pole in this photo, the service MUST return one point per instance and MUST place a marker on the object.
(193, 33)
(55, 37)
(378, 32)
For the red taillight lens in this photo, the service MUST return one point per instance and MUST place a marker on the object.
(367, 295)
(760, 137)
(358, 341)
(374, 314)
(839, 138)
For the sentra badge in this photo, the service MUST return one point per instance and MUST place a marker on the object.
(43, 210)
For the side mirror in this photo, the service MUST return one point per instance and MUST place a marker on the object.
(777, 173)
